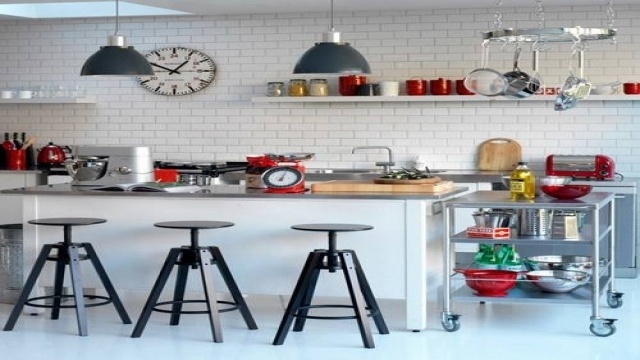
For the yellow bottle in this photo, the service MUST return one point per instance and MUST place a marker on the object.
(522, 183)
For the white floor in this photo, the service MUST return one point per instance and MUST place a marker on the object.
(489, 331)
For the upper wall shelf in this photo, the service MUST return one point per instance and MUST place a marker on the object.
(83, 100)
(425, 98)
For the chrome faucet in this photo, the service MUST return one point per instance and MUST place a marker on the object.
(386, 165)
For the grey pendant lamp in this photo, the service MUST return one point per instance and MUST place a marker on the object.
(117, 58)
(332, 57)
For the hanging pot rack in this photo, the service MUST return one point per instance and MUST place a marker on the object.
(549, 35)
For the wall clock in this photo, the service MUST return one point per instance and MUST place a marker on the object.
(178, 71)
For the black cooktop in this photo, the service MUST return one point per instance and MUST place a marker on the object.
(202, 167)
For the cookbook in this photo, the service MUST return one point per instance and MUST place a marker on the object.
(172, 187)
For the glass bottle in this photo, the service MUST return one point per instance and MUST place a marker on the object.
(522, 184)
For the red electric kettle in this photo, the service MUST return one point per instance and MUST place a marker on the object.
(52, 155)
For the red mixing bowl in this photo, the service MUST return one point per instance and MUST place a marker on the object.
(488, 282)
(566, 192)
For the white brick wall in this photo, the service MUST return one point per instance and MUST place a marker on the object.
(220, 123)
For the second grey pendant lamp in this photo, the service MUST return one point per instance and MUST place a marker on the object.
(117, 58)
(331, 56)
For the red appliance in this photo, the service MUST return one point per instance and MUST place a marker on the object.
(52, 155)
(598, 167)
(280, 173)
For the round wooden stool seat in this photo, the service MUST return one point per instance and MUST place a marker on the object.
(67, 221)
(332, 227)
(194, 224)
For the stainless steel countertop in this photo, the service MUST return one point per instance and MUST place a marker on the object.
(227, 191)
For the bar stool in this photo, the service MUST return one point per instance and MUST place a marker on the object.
(67, 254)
(362, 300)
(194, 256)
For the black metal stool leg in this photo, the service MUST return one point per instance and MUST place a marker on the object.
(348, 268)
(58, 282)
(372, 304)
(313, 260)
(155, 292)
(233, 287)
(106, 282)
(78, 293)
(28, 287)
(178, 293)
(301, 319)
(206, 267)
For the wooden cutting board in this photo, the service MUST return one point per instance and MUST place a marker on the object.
(370, 186)
(499, 154)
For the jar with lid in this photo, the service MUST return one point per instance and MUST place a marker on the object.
(318, 87)
(298, 87)
(275, 88)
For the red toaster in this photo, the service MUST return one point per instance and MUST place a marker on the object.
(598, 167)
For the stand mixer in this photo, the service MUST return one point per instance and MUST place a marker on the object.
(110, 165)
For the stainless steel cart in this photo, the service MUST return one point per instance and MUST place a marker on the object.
(597, 232)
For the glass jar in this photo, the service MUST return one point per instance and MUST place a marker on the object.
(275, 88)
(318, 87)
(297, 87)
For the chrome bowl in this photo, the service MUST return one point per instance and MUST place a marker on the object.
(557, 281)
(559, 262)
(87, 169)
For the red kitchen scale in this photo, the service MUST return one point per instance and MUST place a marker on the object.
(285, 172)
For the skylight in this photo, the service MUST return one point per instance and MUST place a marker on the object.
(82, 10)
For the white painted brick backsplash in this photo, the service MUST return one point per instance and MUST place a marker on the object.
(220, 123)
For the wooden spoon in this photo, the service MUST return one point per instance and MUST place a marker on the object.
(28, 142)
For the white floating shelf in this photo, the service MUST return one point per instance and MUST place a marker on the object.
(424, 98)
(83, 100)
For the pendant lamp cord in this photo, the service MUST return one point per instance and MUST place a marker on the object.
(332, 27)
(117, 17)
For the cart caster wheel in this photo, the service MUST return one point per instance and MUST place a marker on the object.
(603, 330)
(614, 300)
(451, 323)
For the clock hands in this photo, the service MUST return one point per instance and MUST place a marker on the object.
(171, 71)
(161, 67)
(175, 71)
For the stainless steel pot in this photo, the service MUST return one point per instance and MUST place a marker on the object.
(534, 222)
(195, 179)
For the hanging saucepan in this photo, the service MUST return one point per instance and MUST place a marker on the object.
(485, 81)
(520, 84)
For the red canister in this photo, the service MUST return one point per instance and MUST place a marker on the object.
(416, 87)
(348, 84)
(461, 89)
(440, 87)
(631, 88)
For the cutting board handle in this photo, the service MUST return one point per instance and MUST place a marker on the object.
(499, 141)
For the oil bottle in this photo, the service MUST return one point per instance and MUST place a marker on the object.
(522, 182)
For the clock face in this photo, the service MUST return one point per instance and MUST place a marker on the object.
(281, 177)
(178, 71)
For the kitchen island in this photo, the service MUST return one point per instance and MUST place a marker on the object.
(402, 255)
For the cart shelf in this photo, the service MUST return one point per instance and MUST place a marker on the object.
(597, 233)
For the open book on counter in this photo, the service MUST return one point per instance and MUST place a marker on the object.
(172, 187)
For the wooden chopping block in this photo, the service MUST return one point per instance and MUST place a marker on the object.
(370, 186)
(499, 154)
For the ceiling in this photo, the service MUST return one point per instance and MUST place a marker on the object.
(223, 7)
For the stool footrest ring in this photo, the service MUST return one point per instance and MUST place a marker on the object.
(107, 300)
(325, 317)
(164, 303)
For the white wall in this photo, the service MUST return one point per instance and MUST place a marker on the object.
(220, 123)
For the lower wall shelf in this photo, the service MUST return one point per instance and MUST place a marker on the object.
(425, 98)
